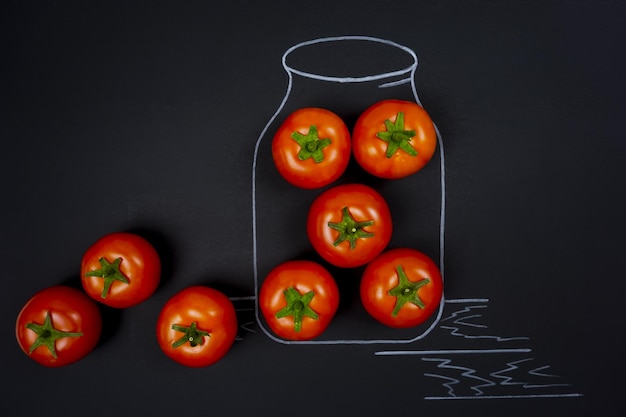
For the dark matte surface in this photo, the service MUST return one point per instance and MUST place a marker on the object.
(144, 117)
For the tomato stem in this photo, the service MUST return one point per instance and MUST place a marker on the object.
(192, 334)
(311, 146)
(47, 335)
(397, 137)
(349, 229)
(109, 272)
(407, 291)
(298, 307)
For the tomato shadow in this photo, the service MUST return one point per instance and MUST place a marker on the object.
(111, 321)
(354, 173)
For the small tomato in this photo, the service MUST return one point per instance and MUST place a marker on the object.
(298, 299)
(197, 326)
(401, 288)
(311, 148)
(349, 225)
(394, 139)
(58, 326)
(120, 270)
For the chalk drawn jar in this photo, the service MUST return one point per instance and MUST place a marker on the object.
(345, 75)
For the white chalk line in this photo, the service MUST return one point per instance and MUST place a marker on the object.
(506, 397)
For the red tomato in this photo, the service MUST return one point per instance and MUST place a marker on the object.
(299, 299)
(349, 225)
(394, 139)
(311, 148)
(120, 270)
(58, 326)
(401, 288)
(197, 326)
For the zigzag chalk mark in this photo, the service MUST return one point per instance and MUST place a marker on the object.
(511, 366)
(462, 321)
(537, 372)
(455, 331)
(448, 384)
(463, 310)
(246, 326)
(468, 373)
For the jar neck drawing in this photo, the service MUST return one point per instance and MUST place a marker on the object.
(359, 69)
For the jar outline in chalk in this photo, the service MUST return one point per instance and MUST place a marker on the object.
(383, 84)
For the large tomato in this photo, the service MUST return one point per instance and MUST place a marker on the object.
(401, 288)
(299, 299)
(197, 326)
(311, 148)
(349, 225)
(58, 326)
(120, 270)
(394, 139)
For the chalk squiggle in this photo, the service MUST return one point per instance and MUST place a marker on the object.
(467, 372)
(462, 320)
(249, 326)
(448, 385)
(537, 372)
(456, 331)
(512, 366)
(462, 311)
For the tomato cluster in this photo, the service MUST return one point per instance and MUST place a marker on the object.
(60, 325)
(350, 225)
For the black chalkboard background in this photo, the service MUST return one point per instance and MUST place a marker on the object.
(143, 116)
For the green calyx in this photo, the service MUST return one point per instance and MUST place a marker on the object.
(192, 335)
(109, 272)
(297, 307)
(311, 146)
(349, 229)
(397, 137)
(47, 335)
(406, 291)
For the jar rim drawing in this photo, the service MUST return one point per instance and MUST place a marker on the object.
(292, 69)
(299, 61)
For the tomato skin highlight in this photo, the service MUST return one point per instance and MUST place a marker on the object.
(370, 150)
(212, 312)
(364, 205)
(70, 311)
(139, 263)
(381, 276)
(308, 173)
(304, 277)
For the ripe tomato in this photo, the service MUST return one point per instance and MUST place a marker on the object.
(197, 326)
(120, 270)
(394, 139)
(58, 326)
(299, 299)
(349, 225)
(311, 148)
(401, 288)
